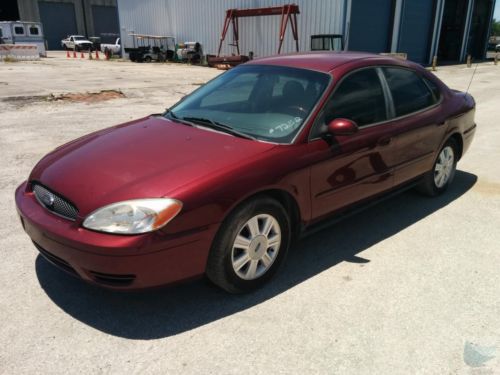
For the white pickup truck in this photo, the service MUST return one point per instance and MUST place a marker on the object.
(116, 48)
(77, 42)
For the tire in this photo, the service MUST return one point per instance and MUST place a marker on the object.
(247, 264)
(435, 182)
(147, 59)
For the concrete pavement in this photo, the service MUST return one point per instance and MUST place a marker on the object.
(409, 286)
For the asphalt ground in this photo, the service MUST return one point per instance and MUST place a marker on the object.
(411, 285)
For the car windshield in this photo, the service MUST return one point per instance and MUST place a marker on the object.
(262, 101)
(79, 38)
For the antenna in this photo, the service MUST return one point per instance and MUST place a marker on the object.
(471, 78)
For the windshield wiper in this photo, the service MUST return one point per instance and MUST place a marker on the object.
(171, 115)
(218, 126)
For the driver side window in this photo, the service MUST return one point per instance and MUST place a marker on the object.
(359, 97)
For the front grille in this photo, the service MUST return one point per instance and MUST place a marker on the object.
(55, 260)
(54, 203)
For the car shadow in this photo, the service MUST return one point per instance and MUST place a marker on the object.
(165, 312)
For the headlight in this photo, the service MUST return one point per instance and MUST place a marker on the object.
(133, 216)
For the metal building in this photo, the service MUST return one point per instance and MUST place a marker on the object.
(66, 17)
(449, 29)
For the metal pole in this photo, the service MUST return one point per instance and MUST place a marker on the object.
(227, 21)
(84, 20)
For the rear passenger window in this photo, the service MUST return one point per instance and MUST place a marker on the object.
(409, 92)
(360, 98)
(434, 89)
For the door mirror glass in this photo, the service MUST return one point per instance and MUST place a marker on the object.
(342, 126)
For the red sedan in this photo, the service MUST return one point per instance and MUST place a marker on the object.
(222, 182)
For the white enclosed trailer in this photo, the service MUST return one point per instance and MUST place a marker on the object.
(23, 33)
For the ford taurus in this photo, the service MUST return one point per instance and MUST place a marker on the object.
(222, 182)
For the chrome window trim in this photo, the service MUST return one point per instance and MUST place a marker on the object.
(389, 94)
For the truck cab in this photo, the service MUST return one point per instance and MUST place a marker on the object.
(76, 42)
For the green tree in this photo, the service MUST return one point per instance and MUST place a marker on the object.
(495, 28)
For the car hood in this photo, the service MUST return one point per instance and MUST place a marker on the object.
(146, 158)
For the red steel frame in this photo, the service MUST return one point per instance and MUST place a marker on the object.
(288, 12)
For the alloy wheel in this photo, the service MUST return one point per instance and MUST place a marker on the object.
(256, 247)
(444, 166)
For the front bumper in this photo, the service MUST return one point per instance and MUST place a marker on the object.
(84, 46)
(114, 261)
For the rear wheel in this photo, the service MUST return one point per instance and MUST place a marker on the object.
(250, 246)
(437, 181)
(147, 59)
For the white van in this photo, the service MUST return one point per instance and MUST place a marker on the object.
(21, 32)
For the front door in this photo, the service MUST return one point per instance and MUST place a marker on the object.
(351, 168)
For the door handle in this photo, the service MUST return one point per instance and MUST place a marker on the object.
(384, 141)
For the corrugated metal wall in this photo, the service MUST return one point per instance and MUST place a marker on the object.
(29, 10)
(195, 20)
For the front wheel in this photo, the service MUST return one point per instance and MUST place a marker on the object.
(437, 181)
(250, 246)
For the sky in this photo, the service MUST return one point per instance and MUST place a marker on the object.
(496, 14)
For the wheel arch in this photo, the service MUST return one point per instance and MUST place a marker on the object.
(285, 198)
(457, 137)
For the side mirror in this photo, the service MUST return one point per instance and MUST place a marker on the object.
(342, 126)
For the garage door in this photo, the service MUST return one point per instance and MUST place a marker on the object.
(105, 22)
(416, 29)
(58, 21)
(370, 26)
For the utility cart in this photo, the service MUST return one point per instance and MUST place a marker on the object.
(148, 48)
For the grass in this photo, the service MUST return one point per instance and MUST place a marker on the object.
(9, 59)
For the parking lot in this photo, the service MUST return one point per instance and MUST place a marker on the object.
(411, 285)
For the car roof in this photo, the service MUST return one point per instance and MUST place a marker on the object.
(324, 61)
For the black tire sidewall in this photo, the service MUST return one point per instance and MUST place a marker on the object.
(222, 246)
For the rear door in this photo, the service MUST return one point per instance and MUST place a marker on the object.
(419, 123)
(351, 168)
(6, 33)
